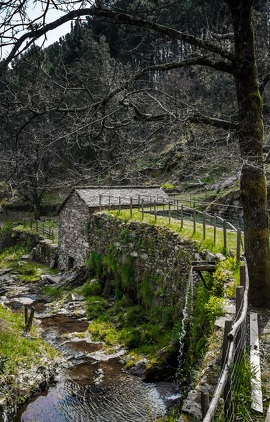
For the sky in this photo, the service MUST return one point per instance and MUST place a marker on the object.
(34, 11)
(52, 15)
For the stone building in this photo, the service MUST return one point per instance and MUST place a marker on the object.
(75, 212)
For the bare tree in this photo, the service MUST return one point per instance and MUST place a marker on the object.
(233, 54)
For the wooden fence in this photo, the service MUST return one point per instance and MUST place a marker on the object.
(174, 210)
(234, 343)
(44, 228)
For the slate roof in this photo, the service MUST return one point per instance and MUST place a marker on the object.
(109, 195)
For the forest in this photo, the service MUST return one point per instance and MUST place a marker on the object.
(139, 92)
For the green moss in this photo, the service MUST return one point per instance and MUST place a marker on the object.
(27, 271)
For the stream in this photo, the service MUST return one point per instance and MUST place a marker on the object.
(91, 383)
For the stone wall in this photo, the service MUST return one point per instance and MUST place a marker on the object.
(45, 252)
(158, 256)
(72, 236)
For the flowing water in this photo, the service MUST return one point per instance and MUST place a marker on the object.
(187, 312)
(91, 385)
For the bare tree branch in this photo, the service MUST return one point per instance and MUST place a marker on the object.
(118, 17)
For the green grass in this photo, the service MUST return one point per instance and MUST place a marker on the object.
(50, 229)
(27, 271)
(16, 350)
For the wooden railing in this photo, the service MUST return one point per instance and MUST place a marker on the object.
(234, 342)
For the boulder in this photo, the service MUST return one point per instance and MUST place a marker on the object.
(74, 277)
(165, 367)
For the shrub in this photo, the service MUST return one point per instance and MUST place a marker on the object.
(91, 288)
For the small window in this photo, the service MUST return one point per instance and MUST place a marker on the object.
(70, 263)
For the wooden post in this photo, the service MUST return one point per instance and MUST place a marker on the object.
(142, 209)
(243, 276)
(225, 234)
(99, 202)
(109, 203)
(239, 300)
(215, 229)
(240, 336)
(25, 314)
(227, 329)
(238, 246)
(194, 221)
(30, 320)
(204, 403)
(169, 213)
(182, 217)
(139, 202)
(204, 225)
(155, 210)
(131, 206)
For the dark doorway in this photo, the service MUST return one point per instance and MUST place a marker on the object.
(70, 263)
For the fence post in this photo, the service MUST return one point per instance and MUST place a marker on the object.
(25, 314)
(100, 202)
(169, 213)
(238, 247)
(239, 300)
(109, 202)
(225, 234)
(204, 403)
(155, 210)
(227, 329)
(131, 206)
(30, 319)
(119, 204)
(142, 209)
(182, 217)
(204, 221)
(215, 228)
(194, 221)
(243, 276)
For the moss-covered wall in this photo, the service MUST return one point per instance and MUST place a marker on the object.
(152, 262)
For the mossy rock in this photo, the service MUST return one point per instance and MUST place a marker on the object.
(165, 366)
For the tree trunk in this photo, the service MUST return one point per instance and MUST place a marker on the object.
(36, 207)
(253, 183)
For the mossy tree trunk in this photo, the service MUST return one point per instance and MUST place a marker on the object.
(251, 136)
